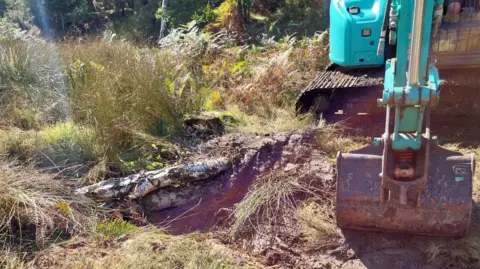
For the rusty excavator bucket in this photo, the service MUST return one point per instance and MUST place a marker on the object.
(436, 201)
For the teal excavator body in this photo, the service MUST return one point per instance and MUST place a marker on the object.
(404, 181)
(354, 37)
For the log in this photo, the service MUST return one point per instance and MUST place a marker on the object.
(170, 198)
(139, 185)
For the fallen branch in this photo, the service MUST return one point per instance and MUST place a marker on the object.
(139, 185)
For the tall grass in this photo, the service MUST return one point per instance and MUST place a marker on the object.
(32, 84)
(114, 94)
(118, 89)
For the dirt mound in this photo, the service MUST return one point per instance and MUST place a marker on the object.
(208, 203)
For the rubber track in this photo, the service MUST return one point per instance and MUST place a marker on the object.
(460, 90)
(334, 79)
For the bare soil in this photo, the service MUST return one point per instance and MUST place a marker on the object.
(282, 244)
(252, 155)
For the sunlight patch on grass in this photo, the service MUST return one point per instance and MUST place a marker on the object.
(115, 228)
(331, 140)
(146, 248)
(283, 120)
(55, 147)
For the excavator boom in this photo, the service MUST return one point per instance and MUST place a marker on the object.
(405, 181)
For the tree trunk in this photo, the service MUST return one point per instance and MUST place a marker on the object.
(137, 186)
(240, 9)
(63, 23)
(164, 19)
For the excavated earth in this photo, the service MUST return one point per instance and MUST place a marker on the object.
(207, 204)
(207, 207)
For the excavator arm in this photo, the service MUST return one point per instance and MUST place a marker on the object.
(405, 181)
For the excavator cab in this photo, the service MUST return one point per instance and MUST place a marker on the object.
(457, 44)
(456, 51)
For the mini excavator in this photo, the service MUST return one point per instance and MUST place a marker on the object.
(404, 181)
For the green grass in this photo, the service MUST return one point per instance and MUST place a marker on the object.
(55, 148)
(115, 228)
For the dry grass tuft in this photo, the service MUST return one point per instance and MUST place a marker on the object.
(276, 194)
(317, 221)
(145, 248)
(11, 260)
(330, 139)
(34, 207)
(267, 199)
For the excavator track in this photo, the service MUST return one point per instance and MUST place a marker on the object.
(352, 94)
